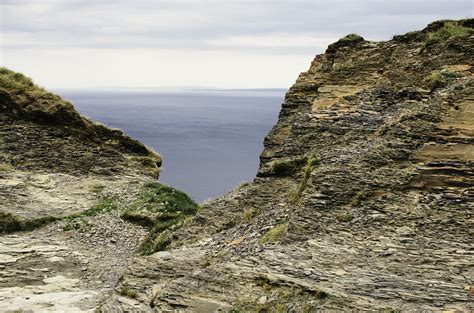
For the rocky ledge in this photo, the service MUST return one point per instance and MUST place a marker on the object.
(363, 199)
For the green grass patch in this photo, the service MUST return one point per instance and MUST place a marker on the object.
(164, 209)
(105, 205)
(10, 223)
(450, 29)
(19, 84)
(275, 234)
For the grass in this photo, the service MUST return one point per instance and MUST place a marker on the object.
(450, 29)
(358, 198)
(312, 162)
(287, 167)
(10, 223)
(129, 293)
(250, 213)
(96, 188)
(434, 80)
(347, 41)
(156, 200)
(5, 167)
(162, 208)
(105, 205)
(345, 217)
(19, 84)
(275, 234)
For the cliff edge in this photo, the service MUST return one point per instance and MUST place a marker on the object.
(77, 200)
(363, 199)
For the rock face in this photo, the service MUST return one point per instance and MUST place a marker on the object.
(56, 165)
(51, 158)
(363, 199)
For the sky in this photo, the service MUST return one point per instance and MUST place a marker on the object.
(99, 44)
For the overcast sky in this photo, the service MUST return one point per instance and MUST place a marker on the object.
(213, 43)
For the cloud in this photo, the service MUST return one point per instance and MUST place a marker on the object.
(231, 29)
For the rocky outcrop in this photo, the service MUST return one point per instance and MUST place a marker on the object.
(363, 199)
(72, 176)
(51, 157)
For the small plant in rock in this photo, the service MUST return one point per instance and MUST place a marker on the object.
(358, 198)
(275, 234)
(129, 293)
(345, 217)
(295, 195)
(96, 188)
(434, 80)
(250, 213)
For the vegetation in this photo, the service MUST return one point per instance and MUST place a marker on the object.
(349, 40)
(5, 167)
(162, 208)
(287, 167)
(358, 198)
(434, 80)
(242, 185)
(97, 188)
(307, 300)
(105, 205)
(18, 84)
(345, 217)
(410, 36)
(312, 162)
(129, 293)
(275, 233)
(250, 213)
(450, 29)
(10, 223)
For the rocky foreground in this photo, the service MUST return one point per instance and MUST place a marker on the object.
(363, 199)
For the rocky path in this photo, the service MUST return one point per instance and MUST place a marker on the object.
(53, 270)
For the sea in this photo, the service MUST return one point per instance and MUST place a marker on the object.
(210, 141)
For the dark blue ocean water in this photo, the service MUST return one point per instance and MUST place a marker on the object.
(210, 141)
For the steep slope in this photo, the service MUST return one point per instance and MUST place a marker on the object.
(363, 199)
(68, 188)
(46, 144)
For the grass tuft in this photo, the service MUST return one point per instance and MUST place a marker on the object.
(5, 167)
(275, 234)
(312, 162)
(250, 213)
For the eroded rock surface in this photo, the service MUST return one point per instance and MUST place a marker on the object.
(363, 199)
(63, 243)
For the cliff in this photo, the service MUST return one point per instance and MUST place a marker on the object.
(77, 200)
(363, 199)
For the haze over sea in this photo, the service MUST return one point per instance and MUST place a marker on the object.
(210, 140)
